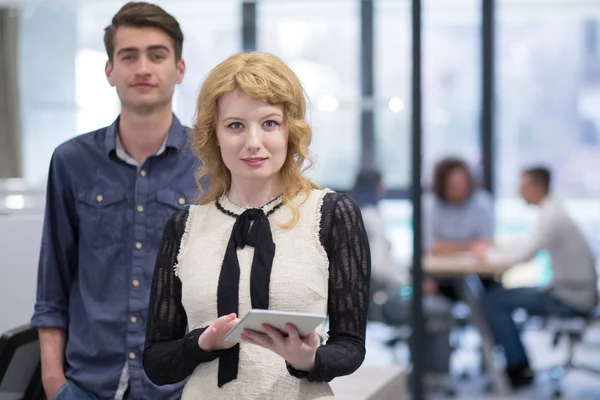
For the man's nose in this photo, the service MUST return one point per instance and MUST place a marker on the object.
(143, 66)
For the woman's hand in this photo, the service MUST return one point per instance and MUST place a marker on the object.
(212, 338)
(300, 352)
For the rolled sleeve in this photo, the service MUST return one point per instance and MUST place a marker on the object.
(49, 315)
(58, 254)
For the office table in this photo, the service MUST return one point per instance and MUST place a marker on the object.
(371, 383)
(468, 271)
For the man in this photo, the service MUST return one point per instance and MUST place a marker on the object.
(572, 290)
(109, 194)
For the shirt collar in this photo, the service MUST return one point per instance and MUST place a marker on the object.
(546, 202)
(177, 137)
(125, 156)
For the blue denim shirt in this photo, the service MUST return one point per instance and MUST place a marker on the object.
(103, 224)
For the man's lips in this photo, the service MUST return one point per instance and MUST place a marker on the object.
(143, 85)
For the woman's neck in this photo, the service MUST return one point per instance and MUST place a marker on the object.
(252, 194)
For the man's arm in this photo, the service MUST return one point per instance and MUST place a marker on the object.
(56, 270)
(52, 347)
(442, 247)
(526, 249)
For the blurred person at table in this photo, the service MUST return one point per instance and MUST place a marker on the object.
(457, 218)
(571, 292)
(367, 192)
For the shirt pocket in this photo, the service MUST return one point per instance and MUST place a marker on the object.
(101, 214)
(171, 200)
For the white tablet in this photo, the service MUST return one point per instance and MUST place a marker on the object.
(304, 323)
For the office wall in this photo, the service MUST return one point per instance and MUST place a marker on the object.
(19, 247)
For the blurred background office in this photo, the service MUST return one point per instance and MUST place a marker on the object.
(354, 58)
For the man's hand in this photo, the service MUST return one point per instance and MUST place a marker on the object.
(480, 249)
(52, 384)
(52, 349)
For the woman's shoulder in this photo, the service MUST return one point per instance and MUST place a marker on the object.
(178, 220)
(481, 198)
(181, 218)
(333, 201)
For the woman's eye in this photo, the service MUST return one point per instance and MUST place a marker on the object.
(235, 125)
(271, 124)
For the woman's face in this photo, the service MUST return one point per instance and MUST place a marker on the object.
(457, 186)
(253, 137)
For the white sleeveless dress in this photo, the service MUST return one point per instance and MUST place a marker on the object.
(299, 283)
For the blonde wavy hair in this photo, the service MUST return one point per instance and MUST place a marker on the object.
(261, 76)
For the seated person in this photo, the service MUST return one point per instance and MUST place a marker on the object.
(368, 190)
(572, 290)
(458, 218)
(386, 276)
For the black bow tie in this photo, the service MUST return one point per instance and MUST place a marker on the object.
(251, 228)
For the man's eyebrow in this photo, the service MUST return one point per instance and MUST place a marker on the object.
(158, 47)
(135, 49)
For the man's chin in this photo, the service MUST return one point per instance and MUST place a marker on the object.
(146, 106)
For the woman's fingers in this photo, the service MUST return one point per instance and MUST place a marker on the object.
(313, 339)
(293, 334)
(276, 337)
(258, 338)
(226, 327)
(224, 320)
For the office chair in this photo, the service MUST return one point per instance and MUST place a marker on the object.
(20, 367)
(572, 329)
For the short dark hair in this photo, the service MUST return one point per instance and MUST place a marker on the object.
(442, 171)
(540, 176)
(143, 15)
(368, 179)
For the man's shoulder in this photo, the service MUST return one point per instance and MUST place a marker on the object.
(78, 145)
(552, 208)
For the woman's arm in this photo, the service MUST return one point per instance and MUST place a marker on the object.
(344, 238)
(170, 354)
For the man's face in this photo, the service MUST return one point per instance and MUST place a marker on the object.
(529, 191)
(144, 70)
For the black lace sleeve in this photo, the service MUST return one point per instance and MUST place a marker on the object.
(344, 238)
(170, 355)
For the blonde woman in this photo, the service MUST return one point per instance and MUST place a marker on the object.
(262, 236)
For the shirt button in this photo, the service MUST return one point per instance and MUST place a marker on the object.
(140, 208)
(135, 283)
(143, 172)
(181, 201)
(99, 198)
(132, 356)
(138, 245)
(133, 319)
